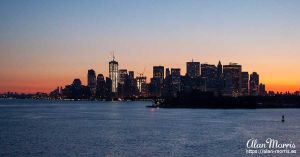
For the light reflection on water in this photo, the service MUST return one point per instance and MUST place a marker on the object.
(54, 128)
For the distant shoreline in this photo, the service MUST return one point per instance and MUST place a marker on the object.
(203, 103)
(214, 102)
(90, 100)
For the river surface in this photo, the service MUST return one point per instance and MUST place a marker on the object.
(82, 128)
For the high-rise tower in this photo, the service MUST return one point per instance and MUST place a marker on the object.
(91, 77)
(193, 69)
(157, 81)
(245, 84)
(232, 79)
(254, 84)
(113, 74)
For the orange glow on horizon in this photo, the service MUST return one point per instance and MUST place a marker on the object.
(47, 77)
(43, 46)
(33, 86)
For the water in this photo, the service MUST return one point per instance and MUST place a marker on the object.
(55, 128)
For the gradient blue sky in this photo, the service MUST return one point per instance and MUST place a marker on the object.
(45, 43)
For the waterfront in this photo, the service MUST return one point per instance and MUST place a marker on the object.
(68, 128)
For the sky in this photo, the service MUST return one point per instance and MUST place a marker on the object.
(48, 43)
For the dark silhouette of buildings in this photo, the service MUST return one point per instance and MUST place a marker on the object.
(77, 91)
(56, 93)
(131, 74)
(127, 87)
(254, 84)
(122, 77)
(193, 69)
(158, 72)
(142, 86)
(131, 85)
(262, 90)
(156, 84)
(232, 79)
(175, 81)
(245, 84)
(209, 75)
(220, 79)
(91, 81)
(101, 87)
(227, 80)
(167, 87)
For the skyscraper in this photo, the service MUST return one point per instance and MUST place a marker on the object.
(157, 81)
(254, 84)
(108, 88)
(141, 80)
(101, 87)
(158, 72)
(131, 84)
(209, 75)
(245, 84)
(232, 79)
(193, 69)
(175, 81)
(122, 79)
(122, 75)
(113, 75)
(220, 81)
(91, 81)
(219, 70)
(168, 73)
(262, 89)
(167, 86)
(131, 74)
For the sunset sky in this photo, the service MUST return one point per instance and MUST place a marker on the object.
(48, 43)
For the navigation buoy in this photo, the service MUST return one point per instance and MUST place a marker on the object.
(282, 118)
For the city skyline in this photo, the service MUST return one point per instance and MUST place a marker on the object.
(47, 44)
(149, 75)
(221, 80)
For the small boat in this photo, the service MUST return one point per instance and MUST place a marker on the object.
(282, 118)
(155, 104)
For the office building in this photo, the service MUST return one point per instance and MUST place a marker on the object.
(113, 75)
(220, 81)
(91, 81)
(175, 81)
(108, 88)
(254, 84)
(193, 69)
(141, 81)
(101, 87)
(232, 79)
(219, 70)
(158, 72)
(122, 76)
(262, 89)
(168, 73)
(209, 75)
(156, 84)
(245, 84)
(131, 74)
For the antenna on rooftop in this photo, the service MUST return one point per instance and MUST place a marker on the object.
(112, 53)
